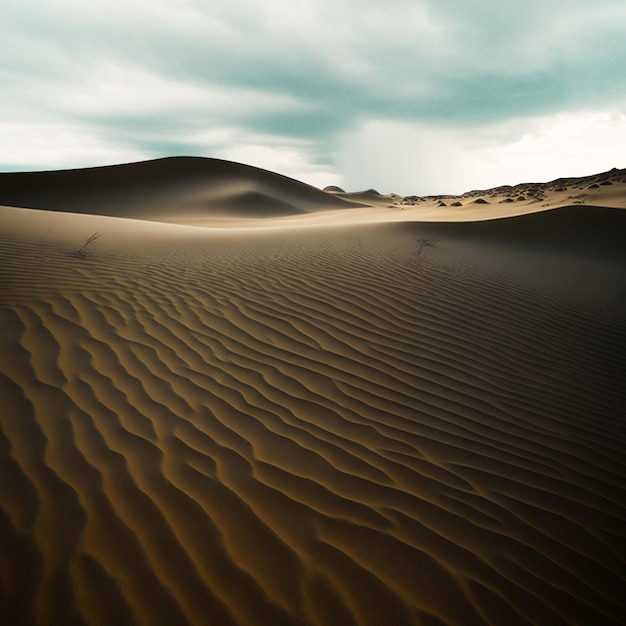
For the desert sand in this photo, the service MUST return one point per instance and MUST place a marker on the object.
(248, 401)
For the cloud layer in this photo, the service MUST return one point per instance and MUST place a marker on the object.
(398, 95)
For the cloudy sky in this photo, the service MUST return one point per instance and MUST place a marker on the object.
(409, 96)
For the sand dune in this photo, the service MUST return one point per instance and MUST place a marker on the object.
(330, 423)
(170, 189)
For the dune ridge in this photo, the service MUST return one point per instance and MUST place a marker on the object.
(306, 429)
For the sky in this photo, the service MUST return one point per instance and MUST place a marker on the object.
(405, 96)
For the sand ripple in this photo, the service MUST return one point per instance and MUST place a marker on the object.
(314, 432)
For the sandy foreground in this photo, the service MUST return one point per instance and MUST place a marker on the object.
(248, 401)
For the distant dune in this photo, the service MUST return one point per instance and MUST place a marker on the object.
(306, 411)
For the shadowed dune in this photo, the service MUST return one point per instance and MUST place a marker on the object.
(322, 425)
(166, 189)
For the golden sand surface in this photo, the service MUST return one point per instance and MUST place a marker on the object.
(322, 412)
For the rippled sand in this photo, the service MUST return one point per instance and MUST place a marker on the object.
(319, 425)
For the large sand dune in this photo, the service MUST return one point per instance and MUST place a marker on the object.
(171, 189)
(330, 419)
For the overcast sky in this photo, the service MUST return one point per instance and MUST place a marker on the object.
(407, 96)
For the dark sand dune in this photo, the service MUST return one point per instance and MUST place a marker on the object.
(582, 232)
(316, 426)
(176, 188)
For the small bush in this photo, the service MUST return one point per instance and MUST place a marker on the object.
(424, 242)
(83, 252)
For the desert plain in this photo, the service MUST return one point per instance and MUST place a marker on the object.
(227, 397)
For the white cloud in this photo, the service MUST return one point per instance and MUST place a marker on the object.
(112, 89)
(568, 144)
(420, 159)
(284, 159)
(44, 145)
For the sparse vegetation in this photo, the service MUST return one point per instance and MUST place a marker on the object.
(83, 252)
(424, 242)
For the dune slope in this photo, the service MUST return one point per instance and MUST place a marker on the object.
(313, 426)
(168, 189)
